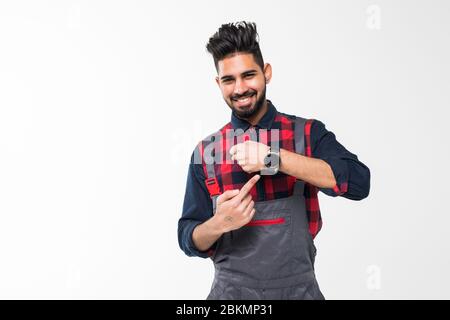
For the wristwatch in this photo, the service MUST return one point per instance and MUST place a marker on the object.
(271, 163)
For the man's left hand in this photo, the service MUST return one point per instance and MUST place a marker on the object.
(250, 155)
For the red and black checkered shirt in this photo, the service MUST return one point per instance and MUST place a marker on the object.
(231, 176)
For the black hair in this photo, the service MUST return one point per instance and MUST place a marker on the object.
(232, 38)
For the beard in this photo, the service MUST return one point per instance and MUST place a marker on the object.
(248, 112)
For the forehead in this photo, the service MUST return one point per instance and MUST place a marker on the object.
(237, 64)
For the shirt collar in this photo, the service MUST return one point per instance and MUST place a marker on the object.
(265, 122)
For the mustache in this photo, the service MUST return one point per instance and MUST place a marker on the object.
(245, 95)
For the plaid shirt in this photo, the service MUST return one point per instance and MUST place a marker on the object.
(197, 204)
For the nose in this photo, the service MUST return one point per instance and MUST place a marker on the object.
(239, 87)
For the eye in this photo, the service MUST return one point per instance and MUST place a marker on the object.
(249, 75)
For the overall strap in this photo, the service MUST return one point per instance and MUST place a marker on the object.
(211, 181)
(299, 140)
(212, 185)
(299, 135)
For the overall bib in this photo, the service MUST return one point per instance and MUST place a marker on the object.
(272, 257)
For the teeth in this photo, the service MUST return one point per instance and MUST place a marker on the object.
(244, 99)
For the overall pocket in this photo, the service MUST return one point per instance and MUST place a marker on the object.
(262, 248)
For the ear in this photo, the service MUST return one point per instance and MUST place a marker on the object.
(267, 72)
(217, 81)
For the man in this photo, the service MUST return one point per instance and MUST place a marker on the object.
(251, 200)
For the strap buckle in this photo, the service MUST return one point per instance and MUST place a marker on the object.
(213, 186)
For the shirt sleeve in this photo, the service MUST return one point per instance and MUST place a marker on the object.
(197, 208)
(352, 176)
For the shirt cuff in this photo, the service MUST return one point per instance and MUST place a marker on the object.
(192, 248)
(340, 172)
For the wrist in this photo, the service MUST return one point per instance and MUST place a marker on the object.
(215, 225)
(283, 163)
(293, 164)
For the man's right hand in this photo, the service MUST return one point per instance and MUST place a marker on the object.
(235, 207)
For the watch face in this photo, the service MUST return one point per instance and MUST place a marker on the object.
(272, 160)
(268, 161)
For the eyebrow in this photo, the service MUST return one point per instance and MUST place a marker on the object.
(243, 73)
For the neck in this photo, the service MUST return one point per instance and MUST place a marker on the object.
(253, 120)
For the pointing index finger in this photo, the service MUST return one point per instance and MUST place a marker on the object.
(247, 187)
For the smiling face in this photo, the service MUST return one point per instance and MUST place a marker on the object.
(243, 85)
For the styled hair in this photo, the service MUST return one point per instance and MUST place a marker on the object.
(232, 38)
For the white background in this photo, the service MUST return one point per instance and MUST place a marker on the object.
(102, 103)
